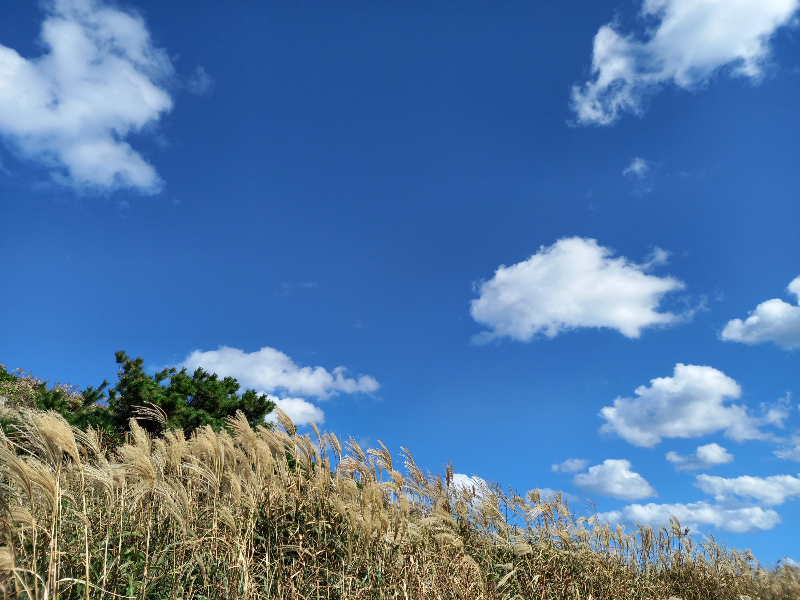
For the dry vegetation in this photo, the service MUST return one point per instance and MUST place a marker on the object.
(268, 513)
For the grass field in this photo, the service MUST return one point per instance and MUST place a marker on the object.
(268, 513)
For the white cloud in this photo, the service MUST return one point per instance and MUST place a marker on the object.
(547, 494)
(200, 82)
(764, 490)
(72, 108)
(691, 403)
(772, 321)
(472, 485)
(705, 457)
(269, 370)
(571, 465)
(288, 288)
(638, 168)
(686, 42)
(789, 453)
(696, 514)
(791, 449)
(573, 283)
(614, 478)
(300, 411)
(460, 480)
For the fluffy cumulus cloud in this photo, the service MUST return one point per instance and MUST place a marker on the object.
(272, 372)
(573, 283)
(614, 478)
(705, 457)
(299, 410)
(685, 43)
(764, 490)
(472, 485)
(100, 79)
(460, 480)
(788, 561)
(695, 401)
(571, 465)
(772, 321)
(695, 515)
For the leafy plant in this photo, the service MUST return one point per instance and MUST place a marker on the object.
(80, 409)
(188, 401)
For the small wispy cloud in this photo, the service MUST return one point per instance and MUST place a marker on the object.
(638, 168)
(641, 173)
(547, 494)
(706, 456)
(200, 82)
(788, 561)
(289, 288)
(571, 465)
(789, 448)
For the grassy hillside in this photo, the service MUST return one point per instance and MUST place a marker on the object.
(266, 513)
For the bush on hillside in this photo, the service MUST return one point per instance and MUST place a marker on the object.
(185, 401)
(82, 409)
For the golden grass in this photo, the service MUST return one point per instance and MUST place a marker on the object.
(251, 514)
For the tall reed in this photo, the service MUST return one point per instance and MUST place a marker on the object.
(269, 513)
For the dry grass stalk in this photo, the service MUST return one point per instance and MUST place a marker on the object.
(251, 514)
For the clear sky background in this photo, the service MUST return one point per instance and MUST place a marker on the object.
(555, 242)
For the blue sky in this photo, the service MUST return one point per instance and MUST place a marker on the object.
(557, 243)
